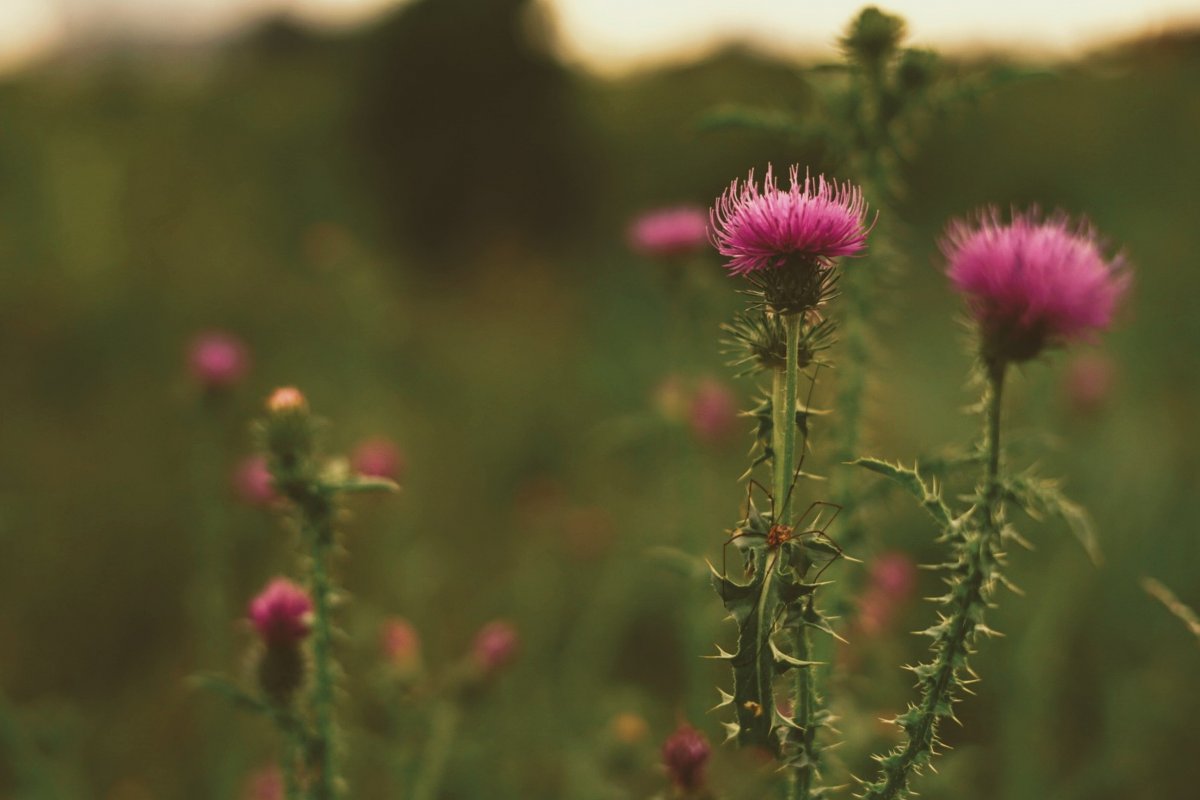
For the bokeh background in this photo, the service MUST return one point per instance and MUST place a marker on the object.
(420, 220)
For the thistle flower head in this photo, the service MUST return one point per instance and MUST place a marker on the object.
(1033, 282)
(813, 220)
(685, 754)
(252, 482)
(378, 458)
(218, 360)
(669, 232)
(282, 613)
(495, 646)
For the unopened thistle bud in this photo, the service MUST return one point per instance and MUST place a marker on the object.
(282, 616)
(873, 36)
(287, 400)
(685, 754)
(289, 434)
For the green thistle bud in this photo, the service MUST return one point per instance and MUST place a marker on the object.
(873, 36)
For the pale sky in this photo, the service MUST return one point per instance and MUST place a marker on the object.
(617, 34)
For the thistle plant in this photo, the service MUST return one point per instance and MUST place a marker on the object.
(1030, 284)
(784, 243)
(296, 669)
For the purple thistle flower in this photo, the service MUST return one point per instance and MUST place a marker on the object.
(813, 219)
(282, 613)
(252, 482)
(669, 232)
(495, 646)
(685, 754)
(218, 360)
(1034, 282)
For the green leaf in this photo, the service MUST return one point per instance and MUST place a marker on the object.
(1040, 497)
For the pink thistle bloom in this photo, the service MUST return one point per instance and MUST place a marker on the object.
(252, 482)
(814, 219)
(714, 412)
(282, 613)
(378, 458)
(401, 645)
(685, 754)
(1089, 381)
(669, 232)
(1033, 282)
(495, 646)
(218, 360)
(265, 784)
(287, 400)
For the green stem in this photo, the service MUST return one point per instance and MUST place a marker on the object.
(785, 389)
(287, 765)
(321, 532)
(443, 728)
(968, 600)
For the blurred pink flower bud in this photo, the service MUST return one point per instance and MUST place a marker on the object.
(265, 784)
(685, 754)
(495, 646)
(401, 645)
(894, 574)
(287, 399)
(714, 412)
(378, 458)
(252, 482)
(218, 360)
(669, 232)
(282, 613)
(1088, 382)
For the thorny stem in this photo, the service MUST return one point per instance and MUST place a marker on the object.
(785, 388)
(441, 738)
(968, 600)
(318, 527)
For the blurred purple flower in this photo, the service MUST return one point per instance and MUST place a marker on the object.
(495, 646)
(1088, 382)
(281, 613)
(218, 360)
(714, 412)
(378, 458)
(893, 579)
(685, 754)
(814, 219)
(252, 481)
(669, 232)
(1034, 282)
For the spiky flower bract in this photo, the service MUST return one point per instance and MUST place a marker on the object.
(1034, 282)
(812, 220)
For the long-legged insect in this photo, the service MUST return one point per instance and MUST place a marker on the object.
(780, 532)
